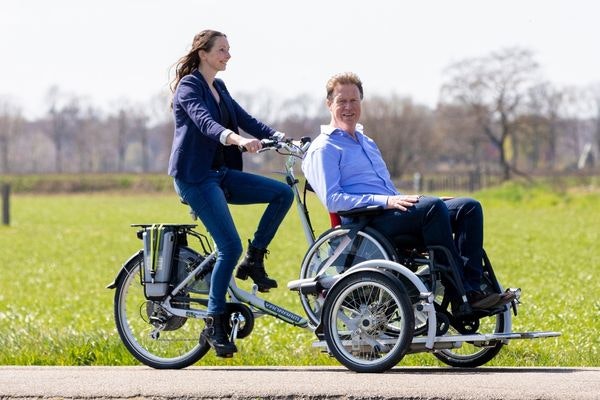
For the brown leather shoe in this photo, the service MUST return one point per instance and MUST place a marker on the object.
(483, 300)
(505, 298)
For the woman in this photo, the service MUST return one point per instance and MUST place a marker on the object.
(206, 165)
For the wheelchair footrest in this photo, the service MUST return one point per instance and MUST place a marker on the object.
(489, 337)
(450, 341)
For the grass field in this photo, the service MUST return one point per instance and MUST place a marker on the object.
(62, 250)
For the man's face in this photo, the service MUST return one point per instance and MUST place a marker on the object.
(345, 107)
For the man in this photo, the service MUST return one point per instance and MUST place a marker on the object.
(346, 170)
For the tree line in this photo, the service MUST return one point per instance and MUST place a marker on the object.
(495, 113)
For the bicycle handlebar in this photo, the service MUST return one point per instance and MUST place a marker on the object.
(296, 147)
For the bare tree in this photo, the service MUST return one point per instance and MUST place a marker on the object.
(122, 128)
(578, 126)
(261, 105)
(596, 100)
(402, 130)
(494, 87)
(64, 120)
(57, 129)
(539, 127)
(140, 129)
(11, 124)
(88, 140)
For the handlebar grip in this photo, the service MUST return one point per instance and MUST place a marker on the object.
(265, 144)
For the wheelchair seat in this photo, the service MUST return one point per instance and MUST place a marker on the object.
(405, 242)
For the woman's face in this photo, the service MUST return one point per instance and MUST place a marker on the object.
(345, 107)
(216, 59)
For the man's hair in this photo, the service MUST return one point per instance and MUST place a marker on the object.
(343, 79)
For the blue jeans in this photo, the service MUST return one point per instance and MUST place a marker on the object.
(456, 224)
(209, 199)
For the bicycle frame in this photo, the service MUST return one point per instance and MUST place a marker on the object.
(261, 306)
(238, 295)
(296, 152)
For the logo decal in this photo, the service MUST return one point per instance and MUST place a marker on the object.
(283, 312)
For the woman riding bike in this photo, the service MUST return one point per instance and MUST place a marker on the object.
(206, 165)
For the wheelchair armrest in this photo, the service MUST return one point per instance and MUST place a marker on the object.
(368, 211)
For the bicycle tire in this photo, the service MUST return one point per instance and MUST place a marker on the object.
(175, 347)
(368, 321)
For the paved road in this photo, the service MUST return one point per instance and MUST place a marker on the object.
(298, 383)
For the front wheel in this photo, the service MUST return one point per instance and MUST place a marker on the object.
(368, 321)
(152, 335)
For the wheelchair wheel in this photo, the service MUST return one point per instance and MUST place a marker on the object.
(471, 355)
(368, 321)
(368, 244)
(152, 335)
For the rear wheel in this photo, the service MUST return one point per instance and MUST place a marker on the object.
(368, 321)
(151, 334)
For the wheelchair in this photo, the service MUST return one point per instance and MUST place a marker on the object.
(412, 267)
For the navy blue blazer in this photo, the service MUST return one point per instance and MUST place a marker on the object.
(197, 128)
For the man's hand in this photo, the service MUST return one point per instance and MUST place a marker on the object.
(402, 202)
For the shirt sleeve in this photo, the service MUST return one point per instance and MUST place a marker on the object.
(224, 135)
(321, 168)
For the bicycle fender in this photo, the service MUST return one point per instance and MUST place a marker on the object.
(381, 271)
(381, 265)
(124, 270)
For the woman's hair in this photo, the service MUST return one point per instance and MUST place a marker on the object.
(343, 79)
(204, 40)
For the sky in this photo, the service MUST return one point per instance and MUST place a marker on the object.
(112, 51)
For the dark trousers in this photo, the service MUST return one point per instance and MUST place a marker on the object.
(456, 224)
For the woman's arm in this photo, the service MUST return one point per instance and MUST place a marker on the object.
(244, 120)
(190, 96)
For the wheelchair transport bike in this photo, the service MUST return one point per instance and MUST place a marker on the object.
(369, 300)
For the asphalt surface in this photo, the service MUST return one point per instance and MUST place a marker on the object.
(298, 383)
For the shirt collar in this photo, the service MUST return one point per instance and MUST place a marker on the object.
(328, 129)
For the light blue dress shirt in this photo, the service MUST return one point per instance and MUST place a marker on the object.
(346, 173)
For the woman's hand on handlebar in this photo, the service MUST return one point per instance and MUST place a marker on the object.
(251, 145)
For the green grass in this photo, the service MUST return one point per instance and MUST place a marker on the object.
(62, 250)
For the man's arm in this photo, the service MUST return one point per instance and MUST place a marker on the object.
(321, 169)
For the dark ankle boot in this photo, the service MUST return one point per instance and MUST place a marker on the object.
(214, 334)
(253, 266)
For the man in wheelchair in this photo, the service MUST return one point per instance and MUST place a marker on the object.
(346, 170)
